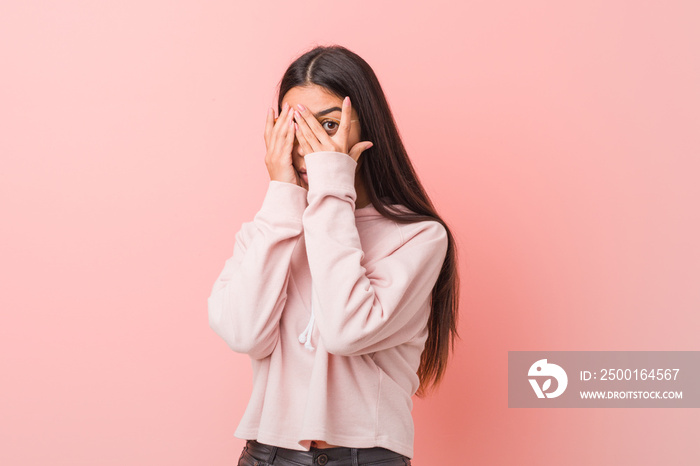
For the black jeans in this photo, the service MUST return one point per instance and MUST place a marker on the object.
(260, 454)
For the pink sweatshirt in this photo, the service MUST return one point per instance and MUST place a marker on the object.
(331, 303)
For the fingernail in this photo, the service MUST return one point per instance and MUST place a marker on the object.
(346, 101)
(284, 107)
(301, 107)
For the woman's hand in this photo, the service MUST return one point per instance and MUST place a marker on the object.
(279, 140)
(313, 138)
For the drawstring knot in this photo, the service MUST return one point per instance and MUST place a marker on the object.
(305, 336)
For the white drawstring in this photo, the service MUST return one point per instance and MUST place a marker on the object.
(305, 336)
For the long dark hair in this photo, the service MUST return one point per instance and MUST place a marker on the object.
(389, 178)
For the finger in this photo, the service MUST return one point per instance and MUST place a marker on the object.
(279, 120)
(269, 124)
(310, 137)
(345, 117)
(303, 115)
(281, 128)
(289, 140)
(303, 143)
(358, 149)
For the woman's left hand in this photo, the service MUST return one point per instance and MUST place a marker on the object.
(313, 138)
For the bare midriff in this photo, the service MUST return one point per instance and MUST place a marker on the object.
(322, 444)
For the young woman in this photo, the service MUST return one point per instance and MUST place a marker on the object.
(343, 288)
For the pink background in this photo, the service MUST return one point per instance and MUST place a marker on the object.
(559, 140)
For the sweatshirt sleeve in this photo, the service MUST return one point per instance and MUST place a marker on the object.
(360, 310)
(247, 298)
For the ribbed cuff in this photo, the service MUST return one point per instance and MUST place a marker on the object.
(285, 200)
(330, 169)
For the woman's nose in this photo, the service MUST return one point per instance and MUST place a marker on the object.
(296, 148)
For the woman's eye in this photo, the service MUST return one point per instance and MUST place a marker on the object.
(330, 126)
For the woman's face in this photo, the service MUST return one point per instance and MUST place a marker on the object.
(327, 108)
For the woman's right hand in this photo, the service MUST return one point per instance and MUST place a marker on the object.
(279, 140)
